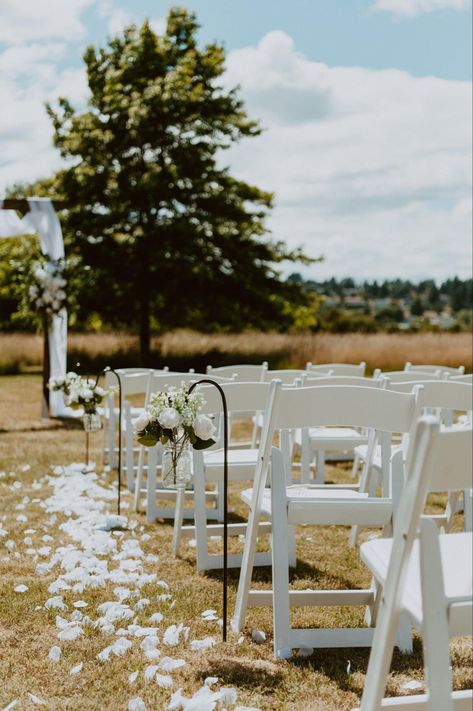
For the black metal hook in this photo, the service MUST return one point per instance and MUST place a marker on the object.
(109, 369)
(225, 499)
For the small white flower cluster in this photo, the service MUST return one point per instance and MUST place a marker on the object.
(79, 392)
(174, 414)
(47, 293)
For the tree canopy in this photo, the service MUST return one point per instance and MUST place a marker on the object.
(172, 238)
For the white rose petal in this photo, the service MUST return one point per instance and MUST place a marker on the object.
(21, 588)
(136, 704)
(77, 669)
(54, 653)
(141, 422)
(204, 428)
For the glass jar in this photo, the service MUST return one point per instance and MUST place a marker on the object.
(92, 422)
(177, 467)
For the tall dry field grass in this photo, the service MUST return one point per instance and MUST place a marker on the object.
(184, 349)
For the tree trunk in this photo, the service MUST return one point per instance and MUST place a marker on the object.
(145, 336)
(46, 370)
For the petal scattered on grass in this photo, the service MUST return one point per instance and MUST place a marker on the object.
(54, 653)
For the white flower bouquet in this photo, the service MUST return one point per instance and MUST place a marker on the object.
(47, 289)
(79, 392)
(173, 418)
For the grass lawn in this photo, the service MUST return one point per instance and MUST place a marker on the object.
(28, 630)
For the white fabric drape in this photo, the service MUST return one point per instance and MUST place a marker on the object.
(42, 220)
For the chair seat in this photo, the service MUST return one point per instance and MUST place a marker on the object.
(338, 438)
(328, 505)
(241, 464)
(362, 451)
(456, 553)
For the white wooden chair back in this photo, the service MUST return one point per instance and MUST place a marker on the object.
(467, 378)
(358, 369)
(245, 372)
(344, 380)
(429, 368)
(440, 394)
(286, 376)
(403, 376)
(342, 406)
(163, 381)
(438, 460)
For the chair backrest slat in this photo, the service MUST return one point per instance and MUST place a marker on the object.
(240, 397)
(343, 380)
(430, 368)
(449, 460)
(286, 376)
(444, 394)
(403, 376)
(338, 368)
(348, 406)
(247, 372)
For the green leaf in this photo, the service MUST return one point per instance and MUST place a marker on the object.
(148, 440)
(203, 443)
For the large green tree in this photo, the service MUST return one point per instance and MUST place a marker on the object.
(172, 237)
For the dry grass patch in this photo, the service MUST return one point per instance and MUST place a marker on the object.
(184, 349)
(317, 683)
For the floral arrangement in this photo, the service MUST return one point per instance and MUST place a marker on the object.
(46, 292)
(79, 392)
(172, 416)
(173, 419)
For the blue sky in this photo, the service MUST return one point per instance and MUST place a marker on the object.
(338, 32)
(366, 106)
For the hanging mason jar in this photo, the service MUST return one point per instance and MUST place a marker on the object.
(177, 465)
(92, 422)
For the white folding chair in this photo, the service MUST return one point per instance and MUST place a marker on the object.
(441, 397)
(467, 378)
(209, 469)
(427, 576)
(111, 410)
(428, 368)
(246, 372)
(403, 376)
(134, 385)
(295, 505)
(339, 440)
(355, 369)
(153, 489)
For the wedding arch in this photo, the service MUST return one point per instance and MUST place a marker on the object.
(39, 217)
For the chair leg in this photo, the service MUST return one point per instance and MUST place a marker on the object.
(468, 509)
(435, 633)
(246, 571)
(281, 608)
(151, 485)
(320, 468)
(178, 516)
(200, 515)
(138, 480)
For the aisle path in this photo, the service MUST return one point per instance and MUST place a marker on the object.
(134, 621)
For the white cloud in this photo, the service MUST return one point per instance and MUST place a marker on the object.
(117, 18)
(24, 20)
(370, 168)
(30, 76)
(413, 8)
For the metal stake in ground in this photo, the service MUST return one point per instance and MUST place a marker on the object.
(225, 498)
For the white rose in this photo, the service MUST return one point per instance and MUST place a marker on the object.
(141, 422)
(169, 418)
(87, 394)
(39, 273)
(47, 297)
(204, 428)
